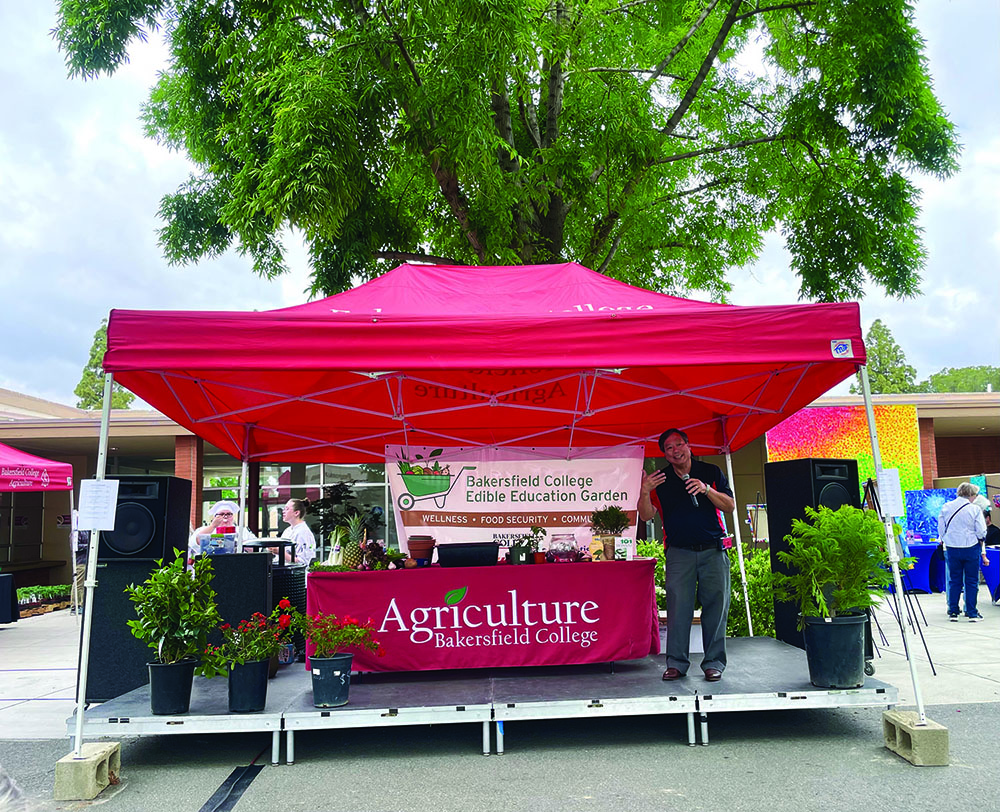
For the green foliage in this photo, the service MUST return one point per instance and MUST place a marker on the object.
(334, 635)
(338, 504)
(530, 540)
(229, 484)
(90, 389)
(654, 549)
(608, 521)
(839, 560)
(964, 379)
(257, 638)
(38, 594)
(175, 608)
(757, 564)
(631, 137)
(316, 566)
(888, 372)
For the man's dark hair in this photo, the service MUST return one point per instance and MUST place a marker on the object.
(667, 433)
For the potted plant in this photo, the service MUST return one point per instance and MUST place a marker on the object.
(607, 524)
(175, 611)
(524, 547)
(333, 639)
(245, 654)
(839, 569)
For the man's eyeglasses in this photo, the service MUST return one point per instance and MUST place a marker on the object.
(224, 513)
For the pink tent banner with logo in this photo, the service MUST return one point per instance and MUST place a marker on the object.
(20, 471)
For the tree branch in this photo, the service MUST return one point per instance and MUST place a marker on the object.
(765, 9)
(403, 256)
(680, 45)
(764, 139)
(706, 66)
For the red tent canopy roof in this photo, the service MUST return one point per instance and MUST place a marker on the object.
(20, 471)
(543, 355)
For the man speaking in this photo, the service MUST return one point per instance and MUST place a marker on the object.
(690, 496)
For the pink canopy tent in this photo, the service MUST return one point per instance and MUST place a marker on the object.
(20, 471)
(526, 356)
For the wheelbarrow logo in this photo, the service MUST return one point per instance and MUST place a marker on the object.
(427, 479)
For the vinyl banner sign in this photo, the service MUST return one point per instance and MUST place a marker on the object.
(498, 494)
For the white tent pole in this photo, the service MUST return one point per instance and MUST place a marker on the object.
(890, 540)
(74, 531)
(90, 582)
(244, 477)
(739, 541)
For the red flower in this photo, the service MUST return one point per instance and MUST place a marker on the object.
(284, 621)
(284, 603)
(225, 626)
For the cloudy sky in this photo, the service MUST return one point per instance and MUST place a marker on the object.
(80, 187)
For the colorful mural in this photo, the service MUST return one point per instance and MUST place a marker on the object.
(842, 432)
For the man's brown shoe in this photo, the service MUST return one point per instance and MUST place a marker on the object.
(671, 674)
(712, 675)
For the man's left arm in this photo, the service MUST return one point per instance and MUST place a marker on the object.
(721, 499)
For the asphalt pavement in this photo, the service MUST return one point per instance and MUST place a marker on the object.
(774, 761)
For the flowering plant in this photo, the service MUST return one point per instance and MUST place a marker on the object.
(331, 634)
(258, 638)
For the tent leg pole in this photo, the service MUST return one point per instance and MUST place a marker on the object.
(890, 541)
(244, 478)
(739, 543)
(90, 582)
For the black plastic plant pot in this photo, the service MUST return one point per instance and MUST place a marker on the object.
(248, 686)
(170, 687)
(331, 679)
(835, 650)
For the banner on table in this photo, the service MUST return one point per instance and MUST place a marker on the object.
(462, 494)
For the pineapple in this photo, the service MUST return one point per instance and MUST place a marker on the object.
(355, 528)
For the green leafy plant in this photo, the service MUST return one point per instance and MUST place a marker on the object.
(609, 521)
(317, 566)
(258, 638)
(654, 549)
(335, 635)
(175, 608)
(530, 540)
(839, 560)
(757, 564)
(37, 594)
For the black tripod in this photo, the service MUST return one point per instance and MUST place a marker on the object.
(909, 596)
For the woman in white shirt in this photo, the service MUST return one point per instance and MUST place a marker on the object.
(294, 513)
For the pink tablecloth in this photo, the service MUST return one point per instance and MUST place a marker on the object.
(476, 617)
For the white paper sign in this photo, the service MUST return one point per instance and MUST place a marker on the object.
(890, 493)
(98, 503)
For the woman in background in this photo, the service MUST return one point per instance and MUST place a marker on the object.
(294, 512)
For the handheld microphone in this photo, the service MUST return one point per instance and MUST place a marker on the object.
(694, 499)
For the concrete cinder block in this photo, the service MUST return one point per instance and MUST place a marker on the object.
(80, 779)
(923, 745)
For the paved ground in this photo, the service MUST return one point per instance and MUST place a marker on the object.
(785, 760)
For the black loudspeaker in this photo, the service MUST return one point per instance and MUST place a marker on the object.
(153, 517)
(242, 583)
(792, 486)
(117, 662)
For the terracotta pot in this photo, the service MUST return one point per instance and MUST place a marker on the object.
(539, 558)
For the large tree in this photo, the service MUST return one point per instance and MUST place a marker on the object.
(90, 390)
(888, 372)
(964, 379)
(655, 140)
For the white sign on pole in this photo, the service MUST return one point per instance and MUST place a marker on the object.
(890, 493)
(98, 503)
